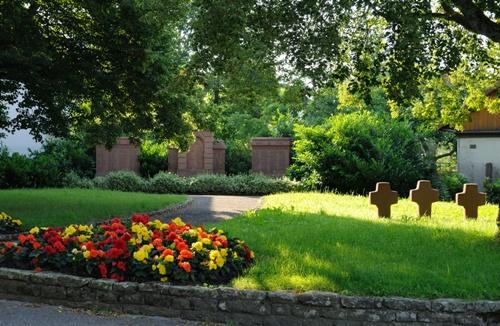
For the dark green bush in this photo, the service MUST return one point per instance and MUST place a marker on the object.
(492, 189)
(352, 152)
(451, 183)
(168, 183)
(124, 181)
(153, 158)
(238, 157)
(164, 182)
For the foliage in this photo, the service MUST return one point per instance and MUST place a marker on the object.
(168, 183)
(9, 225)
(153, 158)
(492, 188)
(331, 242)
(352, 152)
(145, 251)
(47, 166)
(59, 207)
(105, 67)
(165, 183)
(124, 181)
(448, 100)
(452, 183)
(238, 157)
(391, 44)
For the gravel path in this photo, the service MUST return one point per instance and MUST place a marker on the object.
(211, 208)
(14, 313)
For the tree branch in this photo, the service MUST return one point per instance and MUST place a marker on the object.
(440, 156)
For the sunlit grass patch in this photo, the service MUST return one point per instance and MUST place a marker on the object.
(312, 241)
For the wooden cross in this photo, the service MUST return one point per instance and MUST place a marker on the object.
(424, 196)
(383, 197)
(470, 198)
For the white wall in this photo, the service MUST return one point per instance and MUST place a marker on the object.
(471, 161)
(21, 140)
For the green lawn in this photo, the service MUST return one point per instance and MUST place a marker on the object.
(312, 241)
(56, 207)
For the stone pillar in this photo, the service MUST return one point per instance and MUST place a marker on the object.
(271, 156)
(123, 156)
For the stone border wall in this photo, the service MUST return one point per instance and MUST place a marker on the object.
(240, 307)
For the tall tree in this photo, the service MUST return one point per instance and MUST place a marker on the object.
(392, 43)
(111, 66)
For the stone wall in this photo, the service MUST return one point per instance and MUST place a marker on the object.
(123, 156)
(270, 156)
(240, 307)
(204, 156)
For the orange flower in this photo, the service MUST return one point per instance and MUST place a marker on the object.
(167, 252)
(185, 266)
(185, 254)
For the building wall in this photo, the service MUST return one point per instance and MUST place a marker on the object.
(472, 155)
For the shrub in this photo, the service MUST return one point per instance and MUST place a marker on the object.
(238, 157)
(352, 152)
(451, 183)
(15, 170)
(153, 158)
(9, 225)
(123, 181)
(73, 180)
(168, 183)
(492, 190)
(146, 251)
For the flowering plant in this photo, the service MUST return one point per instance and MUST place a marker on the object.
(9, 224)
(144, 251)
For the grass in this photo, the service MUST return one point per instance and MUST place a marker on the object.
(58, 207)
(312, 241)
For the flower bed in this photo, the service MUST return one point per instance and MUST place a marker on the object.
(9, 225)
(146, 250)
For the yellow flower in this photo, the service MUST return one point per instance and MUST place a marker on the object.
(220, 261)
(17, 222)
(223, 252)
(214, 254)
(211, 265)
(83, 238)
(206, 241)
(86, 254)
(164, 279)
(198, 246)
(35, 230)
(177, 221)
(235, 254)
(69, 231)
(161, 269)
(193, 232)
(169, 258)
(140, 255)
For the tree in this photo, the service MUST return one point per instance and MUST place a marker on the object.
(393, 43)
(110, 67)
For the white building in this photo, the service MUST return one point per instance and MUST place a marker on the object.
(478, 147)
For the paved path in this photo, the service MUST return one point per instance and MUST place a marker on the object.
(209, 208)
(13, 313)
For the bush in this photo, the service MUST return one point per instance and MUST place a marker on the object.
(451, 183)
(238, 157)
(123, 181)
(146, 251)
(153, 158)
(492, 189)
(352, 152)
(168, 183)
(9, 225)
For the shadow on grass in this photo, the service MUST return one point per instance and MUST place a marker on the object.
(308, 251)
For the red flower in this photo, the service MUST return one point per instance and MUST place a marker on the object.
(37, 270)
(180, 245)
(138, 218)
(172, 236)
(185, 254)
(59, 246)
(113, 253)
(9, 244)
(185, 266)
(94, 253)
(50, 250)
(103, 270)
(120, 265)
(167, 252)
(117, 277)
(157, 243)
(36, 245)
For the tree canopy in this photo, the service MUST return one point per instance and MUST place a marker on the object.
(109, 67)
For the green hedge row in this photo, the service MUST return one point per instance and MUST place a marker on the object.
(163, 183)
